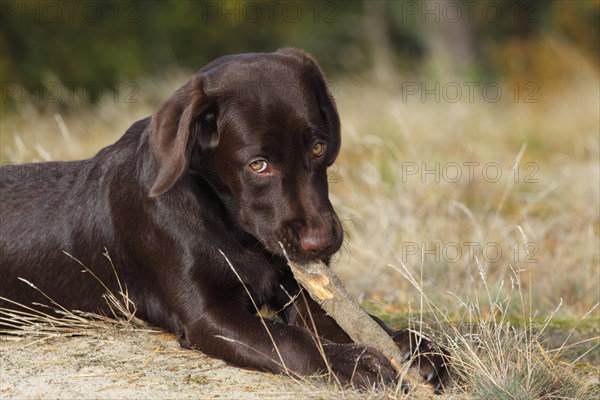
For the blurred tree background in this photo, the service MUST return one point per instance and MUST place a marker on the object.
(107, 42)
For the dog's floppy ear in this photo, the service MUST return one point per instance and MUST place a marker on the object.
(188, 117)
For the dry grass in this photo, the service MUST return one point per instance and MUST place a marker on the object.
(387, 211)
(495, 358)
(28, 320)
(493, 315)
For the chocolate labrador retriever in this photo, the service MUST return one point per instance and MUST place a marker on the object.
(236, 160)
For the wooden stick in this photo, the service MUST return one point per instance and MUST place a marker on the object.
(325, 288)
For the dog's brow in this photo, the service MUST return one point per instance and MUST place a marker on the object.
(317, 131)
(320, 134)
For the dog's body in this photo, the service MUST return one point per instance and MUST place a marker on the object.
(235, 161)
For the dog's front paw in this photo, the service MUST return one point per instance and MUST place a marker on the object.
(359, 366)
(433, 363)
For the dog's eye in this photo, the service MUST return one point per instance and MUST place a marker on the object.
(318, 149)
(260, 167)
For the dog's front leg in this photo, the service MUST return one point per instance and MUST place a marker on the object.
(233, 334)
(433, 363)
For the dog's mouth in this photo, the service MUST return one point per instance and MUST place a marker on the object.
(305, 249)
(292, 254)
(298, 242)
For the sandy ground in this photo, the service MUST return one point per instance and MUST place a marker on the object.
(133, 365)
(136, 364)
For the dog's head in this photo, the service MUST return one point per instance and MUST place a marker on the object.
(262, 129)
